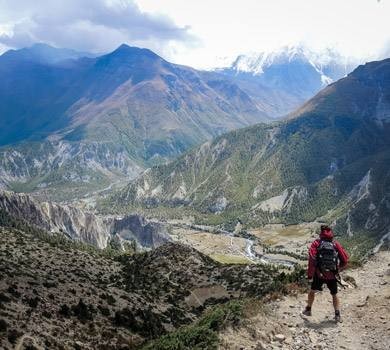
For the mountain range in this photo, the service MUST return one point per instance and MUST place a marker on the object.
(290, 74)
(207, 260)
(329, 160)
(87, 121)
(72, 97)
(73, 124)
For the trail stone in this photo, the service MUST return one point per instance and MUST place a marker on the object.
(313, 338)
(279, 337)
(261, 346)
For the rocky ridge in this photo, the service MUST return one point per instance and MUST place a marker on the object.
(83, 226)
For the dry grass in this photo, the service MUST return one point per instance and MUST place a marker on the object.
(231, 259)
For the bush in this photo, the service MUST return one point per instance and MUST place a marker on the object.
(13, 335)
(83, 311)
(196, 338)
(144, 322)
(33, 302)
(203, 335)
(4, 298)
(46, 314)
(104, 310)
(13, 290)
(64, 310)
(220, 316)
(3, 325)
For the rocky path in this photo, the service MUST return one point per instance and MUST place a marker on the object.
(365, 313)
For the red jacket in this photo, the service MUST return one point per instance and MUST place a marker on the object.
(312, 269)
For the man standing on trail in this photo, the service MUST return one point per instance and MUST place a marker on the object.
(326, 258)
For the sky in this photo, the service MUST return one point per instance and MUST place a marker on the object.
(199, 33)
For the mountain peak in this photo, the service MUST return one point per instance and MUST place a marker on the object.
(45, 53)
(42, 46)
(126, 50)
(257, 63)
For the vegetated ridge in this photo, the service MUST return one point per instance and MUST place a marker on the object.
(56, 293)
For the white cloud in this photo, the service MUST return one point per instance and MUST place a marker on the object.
(195, 32)
(88, 25)
(358, 28)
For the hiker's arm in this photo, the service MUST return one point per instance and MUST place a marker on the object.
(343, 256)
(311, 267)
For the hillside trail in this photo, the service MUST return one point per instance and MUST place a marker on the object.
(365, 312)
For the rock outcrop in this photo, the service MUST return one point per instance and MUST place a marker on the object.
(80, 225)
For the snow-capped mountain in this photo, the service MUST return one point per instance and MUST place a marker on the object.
(292, 73)
(328, 63)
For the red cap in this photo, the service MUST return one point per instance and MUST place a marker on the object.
(326, 234)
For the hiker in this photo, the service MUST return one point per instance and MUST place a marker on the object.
(326, 258)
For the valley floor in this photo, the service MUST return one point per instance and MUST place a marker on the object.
(365, 313)
(229, 248)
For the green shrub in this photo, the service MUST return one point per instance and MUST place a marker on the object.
(202, 335)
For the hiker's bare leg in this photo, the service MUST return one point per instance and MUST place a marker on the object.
(336, 305)
(310, 298)
(336, 302)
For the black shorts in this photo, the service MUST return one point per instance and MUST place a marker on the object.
(318, 282)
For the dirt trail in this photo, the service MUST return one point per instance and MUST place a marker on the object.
(365, 313)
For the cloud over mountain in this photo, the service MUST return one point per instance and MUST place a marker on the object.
(89, 25)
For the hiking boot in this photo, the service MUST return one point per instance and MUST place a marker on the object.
(337, 318)
(306, 312)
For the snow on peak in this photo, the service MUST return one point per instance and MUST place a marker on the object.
(324, 61)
